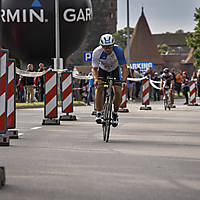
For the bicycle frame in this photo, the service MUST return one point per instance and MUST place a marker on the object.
(166, 98)
(107, 110)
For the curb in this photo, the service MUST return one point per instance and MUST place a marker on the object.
(42, 106)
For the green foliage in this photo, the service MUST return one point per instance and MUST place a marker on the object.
(162, 48)
(121, 37)
(193, 40)
(180, 31)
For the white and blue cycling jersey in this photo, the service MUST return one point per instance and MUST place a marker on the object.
(108, 62)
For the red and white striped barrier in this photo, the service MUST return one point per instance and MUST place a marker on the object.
(11, 105)
(3, 90)
(192, 92)
(11, 101)
(123, 103)
(51, 100)
(67, 96)
(145, 94)
(66, 87)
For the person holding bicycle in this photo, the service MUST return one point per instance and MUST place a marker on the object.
(167, 78)
(107, 60)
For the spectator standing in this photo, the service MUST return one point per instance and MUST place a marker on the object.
(20, 89)
(76, 89)
(179, 79)
(30, 85)
(156, 92)
(130, 84)
(174, 76)
(41, 82)
(91, 90)
(138, 74)
(185, 87)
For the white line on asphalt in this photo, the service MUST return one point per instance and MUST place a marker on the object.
(35, 128)
(20, 134)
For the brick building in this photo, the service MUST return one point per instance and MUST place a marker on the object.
(143, 47)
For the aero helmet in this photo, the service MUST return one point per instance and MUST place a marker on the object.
(166, 70)
(107, 40)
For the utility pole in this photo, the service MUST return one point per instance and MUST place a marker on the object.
(128, 35)
(57, 63)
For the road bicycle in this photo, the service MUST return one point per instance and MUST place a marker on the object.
(107, 107)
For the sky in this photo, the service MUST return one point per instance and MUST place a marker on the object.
(162, 15)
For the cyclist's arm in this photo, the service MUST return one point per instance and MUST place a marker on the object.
(171, 85)
(161, 83)
(95, 74)
(124, 72)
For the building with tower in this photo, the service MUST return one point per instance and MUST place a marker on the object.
(143, 48)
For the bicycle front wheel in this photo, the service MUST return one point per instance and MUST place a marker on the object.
(107, 121)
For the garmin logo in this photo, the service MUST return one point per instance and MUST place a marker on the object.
(73, 15)
(24, 15)
(30, 15)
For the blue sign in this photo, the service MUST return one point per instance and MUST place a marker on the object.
(36, 3)
(142, 65)
(88, 56)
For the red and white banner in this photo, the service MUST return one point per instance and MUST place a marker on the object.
(145, 92)
(3, 90)
(67, 97)
(11, 104)
(51, 103)
(192, 92)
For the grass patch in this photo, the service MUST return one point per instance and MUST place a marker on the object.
(42, 104)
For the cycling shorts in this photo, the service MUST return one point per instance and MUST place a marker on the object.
(102, 75)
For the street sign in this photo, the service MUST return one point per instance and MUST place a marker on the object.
(88, 56)
(142, 65)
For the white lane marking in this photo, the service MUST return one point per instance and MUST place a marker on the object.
(35, 128)
(20, 134)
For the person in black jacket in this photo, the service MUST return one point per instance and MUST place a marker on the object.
(185, 87)
(156, 92)
(41, 82)
(30, 85)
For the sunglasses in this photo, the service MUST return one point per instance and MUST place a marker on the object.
(107, 47)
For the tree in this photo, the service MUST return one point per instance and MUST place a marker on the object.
(121, 37)
(162, 48)
(193, 40)
(179, 31)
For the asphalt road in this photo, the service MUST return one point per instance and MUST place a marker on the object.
(152, 155)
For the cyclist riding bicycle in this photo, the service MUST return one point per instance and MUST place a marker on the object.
(107, 60)
(167, 78)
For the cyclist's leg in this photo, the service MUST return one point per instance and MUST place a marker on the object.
(164, 97)
(99, 90)
(117, 90)
(98, 97)
(117, 97)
